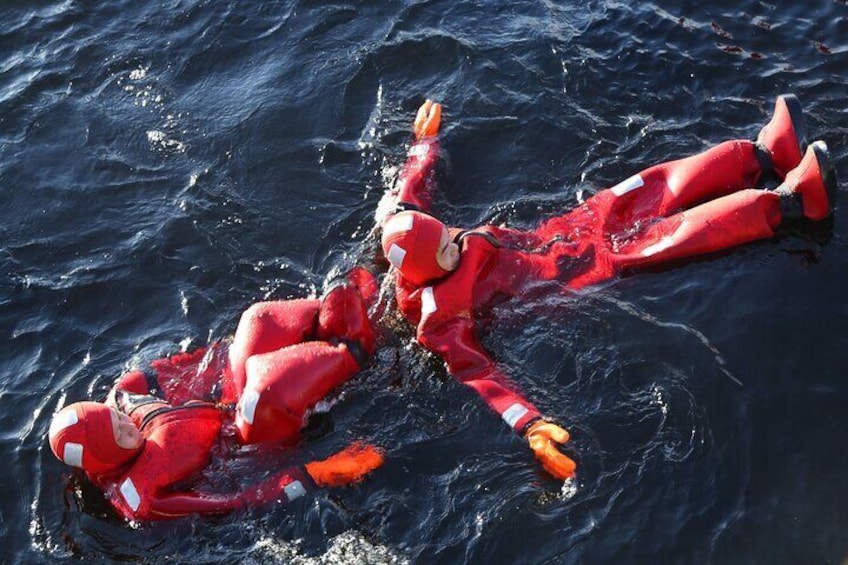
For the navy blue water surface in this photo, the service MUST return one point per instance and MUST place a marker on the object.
(165, 164)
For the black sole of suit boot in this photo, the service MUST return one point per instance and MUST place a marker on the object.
(796, 116)
(828, 172)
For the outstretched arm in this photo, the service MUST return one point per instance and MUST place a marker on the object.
(413, 188)
(345, 467)
(455, 340)
(283, 487)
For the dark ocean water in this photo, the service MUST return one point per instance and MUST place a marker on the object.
(165, 164)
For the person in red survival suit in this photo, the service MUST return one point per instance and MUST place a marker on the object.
(158, 429)
(284, 357)
(700, 204)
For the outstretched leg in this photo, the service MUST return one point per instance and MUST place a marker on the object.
(661, 190)
(675, 185)
(741, 217)
(808, 191)
(726, 168)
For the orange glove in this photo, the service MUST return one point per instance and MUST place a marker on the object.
(428, 119)
(544, 439)
(347, 466)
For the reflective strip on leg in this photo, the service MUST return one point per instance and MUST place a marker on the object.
(628, 185)
(659, 246)
(249, 400)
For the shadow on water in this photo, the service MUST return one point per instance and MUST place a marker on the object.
(162, 166)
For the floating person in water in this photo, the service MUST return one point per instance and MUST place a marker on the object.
(160, 428)
(675, 210)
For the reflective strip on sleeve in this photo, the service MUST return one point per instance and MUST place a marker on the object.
(73, 454)
(513, 414)
(428, 302)
(130, 494)
(627, 185)
(419, 150)
(294, 489)
(396, 255)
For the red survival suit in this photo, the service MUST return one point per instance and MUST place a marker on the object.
(178, 443)
(285, 357)
(180, 403)
(629, 225)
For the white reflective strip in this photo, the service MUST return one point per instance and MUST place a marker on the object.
(399, 223)
(514, 413)
(249, 400)
(294, 490)
(73, 454)
(62, 421)
(396, 255)
(419, 149)
(661, 245)
(627, 185)
(428, 302)
(130, 494)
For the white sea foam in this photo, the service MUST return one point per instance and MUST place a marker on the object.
(348, 548)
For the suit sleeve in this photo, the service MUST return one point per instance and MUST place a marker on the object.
(281, 488)
(135, 382)
(415, 185)
(455, 340)
(176, 379)
(185, 504)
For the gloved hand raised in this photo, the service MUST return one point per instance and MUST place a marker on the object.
(428, 119)
(544, 439)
